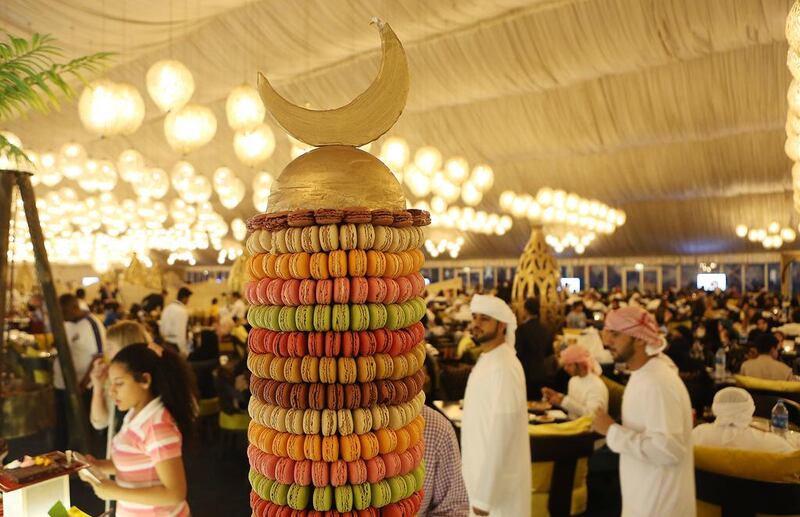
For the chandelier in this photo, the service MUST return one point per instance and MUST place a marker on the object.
(190, 128)
(107, 108)
(170, 84)
(570, 220)
(773, 237)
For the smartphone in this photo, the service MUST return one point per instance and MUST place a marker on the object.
(91, 474)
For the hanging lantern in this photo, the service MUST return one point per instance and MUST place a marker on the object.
(470, 194)
(190, 128)
(182, 172)
(239, 229)
(222, 179)
(182, 213)
(394, 153)
(130, 165)
(154, 184)
(71, 159)
(456, 170)
(106, 176)
(260, 201)
(130, 108)
(482, 177)
(170, 84)
(234, 194)
(262, 183)
(244, 108)
(90, 178)
(97, 108)
(198, 190)
(48, 172)
(254, 146)
(428, 159)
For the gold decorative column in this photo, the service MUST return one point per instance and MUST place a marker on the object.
(538, 275)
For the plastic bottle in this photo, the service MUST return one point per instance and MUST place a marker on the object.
(719, 363)
(780, 418)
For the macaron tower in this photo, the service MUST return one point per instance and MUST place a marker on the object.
(336, 350)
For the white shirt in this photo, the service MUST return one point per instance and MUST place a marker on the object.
(748, 438)
(656, 463)
(494, 436)
(239, 310)
(83, 346)
(584, 395)
(173, 325)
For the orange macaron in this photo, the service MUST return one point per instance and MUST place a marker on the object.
(337, 263)
(318, 266)
(357, 263)
(299, 265)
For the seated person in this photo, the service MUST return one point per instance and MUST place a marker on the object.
(576, 319)
(734, 409)
(766, 365)
(204, 360)
(586, 391)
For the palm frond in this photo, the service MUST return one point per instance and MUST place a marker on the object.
(30, 76)
(13, 153)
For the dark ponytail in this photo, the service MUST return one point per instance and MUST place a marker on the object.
(172, 380)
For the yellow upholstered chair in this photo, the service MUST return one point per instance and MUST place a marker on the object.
(769, 485)
(559, 465)
(766, 393)
(755, 383)
(232, 427)
(207, 416)
(615, 391)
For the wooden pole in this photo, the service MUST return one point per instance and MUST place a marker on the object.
(79, 431)
(6, 188)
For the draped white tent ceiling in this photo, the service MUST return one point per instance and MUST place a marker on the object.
(672, 110)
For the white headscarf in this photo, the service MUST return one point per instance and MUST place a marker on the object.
(496, 308)
(734, 408)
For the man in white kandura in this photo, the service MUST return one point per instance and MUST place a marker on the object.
(494, 432)
(585, 391)
(734, 408)
(654, 441)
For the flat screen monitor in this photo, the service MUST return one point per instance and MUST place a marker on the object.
(712, 281)
(571, 284)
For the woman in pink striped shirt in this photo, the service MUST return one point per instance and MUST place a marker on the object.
(156, 388)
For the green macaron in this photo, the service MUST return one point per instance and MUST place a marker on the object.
(298, 496)
(419, 308)
(362, 496)
(409, 312)
(359, 317)
(398, 487)
(323, 498)
(411, 485)
(344, 498)
(252, 317)
(271, 317)
(322, 318)
(419, 475)
(286, 319)
(304, 318)
(394, 316)
(341, 318)
(381, 493)
(377, 315)
(278, 493)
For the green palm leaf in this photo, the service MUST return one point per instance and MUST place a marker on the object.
(32, 77)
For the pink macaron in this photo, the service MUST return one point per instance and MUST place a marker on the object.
(376, 290)
(308, 291)
(406, 289)
(284, 471)
(290, 292)
(261, 291)
(338, 473)
(341, 290)
(418, 281)
(324, 294)
(359, 289)
(320, 473)
(406, 462)
(302, 472)
(274, 292)
(392, 291)
(270, 464)
(399, 343)
(357, 472)
(250, 295)
(376, 469)
(393, 464)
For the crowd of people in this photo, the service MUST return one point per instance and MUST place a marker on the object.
(143, 370)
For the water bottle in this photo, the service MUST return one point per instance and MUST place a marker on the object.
(719, 363)
(780, 418)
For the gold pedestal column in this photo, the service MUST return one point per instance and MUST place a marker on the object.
(538, 276)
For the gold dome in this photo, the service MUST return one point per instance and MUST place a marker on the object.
(336, 176)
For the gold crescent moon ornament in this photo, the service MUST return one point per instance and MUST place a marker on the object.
(359, 122)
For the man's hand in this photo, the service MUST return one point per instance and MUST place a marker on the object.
(478, 511)
(552, 396)
(602, 421)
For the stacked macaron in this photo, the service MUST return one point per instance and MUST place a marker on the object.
(336, 355)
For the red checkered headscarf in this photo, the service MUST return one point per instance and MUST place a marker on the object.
(638, 323)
